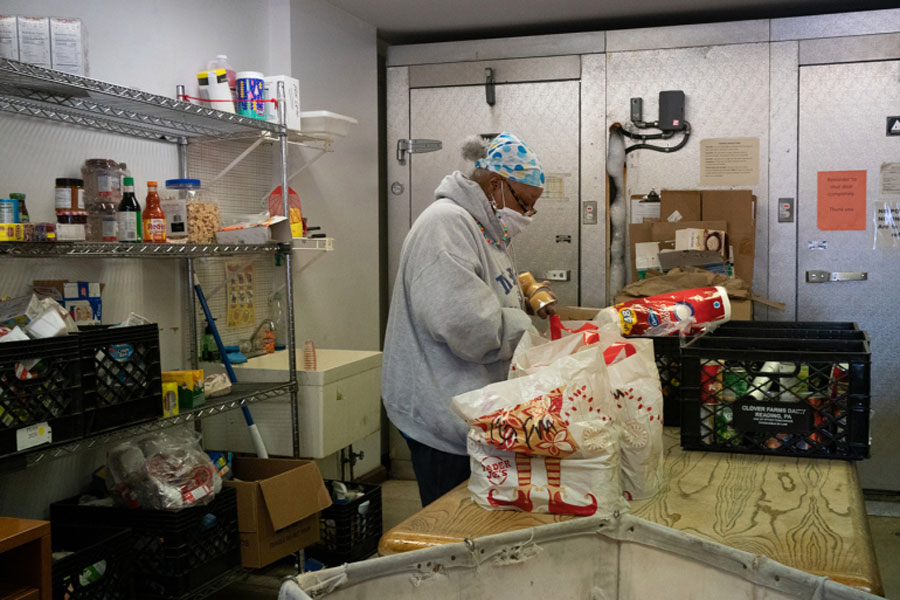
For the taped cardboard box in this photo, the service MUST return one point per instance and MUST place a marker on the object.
(279, 500)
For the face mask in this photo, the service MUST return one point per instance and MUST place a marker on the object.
(515, 222)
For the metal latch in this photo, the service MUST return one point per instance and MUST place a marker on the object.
(416, 147)
(826, 276)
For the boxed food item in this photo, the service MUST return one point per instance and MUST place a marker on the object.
(12, 232)
(70, 232)
(702, 239)
(273, 229)
(291, 100)
(191, 393)
(67, 46)
(34, 41)
(39, 232)
(278, 504)
(9, 38)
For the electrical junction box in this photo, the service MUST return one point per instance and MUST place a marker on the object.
(671, 110)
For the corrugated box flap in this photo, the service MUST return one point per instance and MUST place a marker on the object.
(294, 495)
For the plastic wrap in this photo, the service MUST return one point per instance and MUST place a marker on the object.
(685, 312)
(164, 471)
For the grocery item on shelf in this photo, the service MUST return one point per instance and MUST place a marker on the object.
(291, 100)
(34, 41)
(213, 87)
(174, 205)
(221, 62)
(250, 95)
(204, 220)
(23, 210)
(189, 386)
(102, 194)
(256, 229)
(67, 47)
(12, 232)
(276, 208)
(9, 210)
(39, 232)
(9, 38)
(128, 214)
(69, 195)
(153, 217)
(169, 399)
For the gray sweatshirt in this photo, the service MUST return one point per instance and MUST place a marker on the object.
(455, 318)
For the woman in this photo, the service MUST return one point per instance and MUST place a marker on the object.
(457, 309)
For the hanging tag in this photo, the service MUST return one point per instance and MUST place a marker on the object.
(33, 435)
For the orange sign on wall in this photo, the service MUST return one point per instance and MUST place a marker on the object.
(842, 200)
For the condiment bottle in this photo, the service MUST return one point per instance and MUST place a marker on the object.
(537, 295)
(154, 219)
(23, 211)
(128, 214)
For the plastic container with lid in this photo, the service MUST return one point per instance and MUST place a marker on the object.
(221, 62)
(178, 193)
(102, 194)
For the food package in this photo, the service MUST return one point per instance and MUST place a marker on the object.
(507, 480)
(190, 387)
(634, 388)
(163, 471)
(557, 411)
(216, 385)
(203, 220)
(276, 208)
(685, 312)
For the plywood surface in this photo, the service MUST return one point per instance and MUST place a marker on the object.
(808, 514)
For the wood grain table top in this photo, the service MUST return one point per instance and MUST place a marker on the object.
(805, 513)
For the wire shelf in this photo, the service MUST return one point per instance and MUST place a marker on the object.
(241, 394)
(125, 250)
(49, 94)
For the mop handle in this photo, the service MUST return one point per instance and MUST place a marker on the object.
(215, 331)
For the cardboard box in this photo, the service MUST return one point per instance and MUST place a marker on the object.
(278, 504)
(680, 205)
(9, 37)
(82, 299)
(67, 46)
(34, 41)
(274, 229)
(12, 232)
(191, 390)
(291, 100)
(664, 233)
(738, 209)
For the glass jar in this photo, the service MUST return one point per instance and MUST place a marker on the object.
(102, 194)
(69, 194)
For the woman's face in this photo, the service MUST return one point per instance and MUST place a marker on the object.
(519, 197)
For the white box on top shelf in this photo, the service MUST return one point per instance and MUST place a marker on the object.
(9, 37)
(291, 100)
(34, 41)
(67, 46)
(339, 404)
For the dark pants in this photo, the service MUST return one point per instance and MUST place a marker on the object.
(437, 472)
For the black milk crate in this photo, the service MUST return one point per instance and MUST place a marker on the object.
(791, 325)
(668, 363)
(121, 376)
(100, 566)
(349, 532)
(781, 396)
(40, 382)
(175, 552)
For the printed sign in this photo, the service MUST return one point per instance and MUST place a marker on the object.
(34, 435)
(777, 417)
(729, 161)
(842, 200)
(886, 211)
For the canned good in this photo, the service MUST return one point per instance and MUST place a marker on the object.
(250, 95)
(9, 210)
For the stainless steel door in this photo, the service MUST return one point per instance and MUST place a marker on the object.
(842, 127)
(546, 116)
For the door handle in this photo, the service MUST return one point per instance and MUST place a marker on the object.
(835, 276)
(405, 147)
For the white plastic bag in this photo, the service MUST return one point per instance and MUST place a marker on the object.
(531, 483)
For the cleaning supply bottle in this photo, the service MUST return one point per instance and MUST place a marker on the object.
(209, 352)
(221, 62)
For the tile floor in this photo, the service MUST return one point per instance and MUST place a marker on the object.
(400, 499)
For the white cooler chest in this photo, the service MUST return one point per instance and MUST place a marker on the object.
(339, 404)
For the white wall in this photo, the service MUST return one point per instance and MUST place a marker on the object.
(155, 46)
(334, 57)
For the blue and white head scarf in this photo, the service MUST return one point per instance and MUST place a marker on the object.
(510, 157)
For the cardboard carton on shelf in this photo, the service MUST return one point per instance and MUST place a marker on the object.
(273, 229)
(279, 500)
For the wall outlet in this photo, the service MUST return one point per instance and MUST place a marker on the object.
(557, 275)
(589, 212)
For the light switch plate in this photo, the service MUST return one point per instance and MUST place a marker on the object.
(785, 210)
(557, 275)
(589, 212)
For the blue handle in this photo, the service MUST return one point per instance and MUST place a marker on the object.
(212, 327)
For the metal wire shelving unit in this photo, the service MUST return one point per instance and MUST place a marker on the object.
(32, 91)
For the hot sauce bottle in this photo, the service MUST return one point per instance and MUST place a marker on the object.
(153, 217)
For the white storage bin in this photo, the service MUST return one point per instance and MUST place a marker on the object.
(339, 404)
(325, 124)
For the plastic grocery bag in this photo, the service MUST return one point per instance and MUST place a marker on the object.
(553, 412)
(514, 481)
(163, 471)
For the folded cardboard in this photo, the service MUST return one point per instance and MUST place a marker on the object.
(278, 504)
(680, 205)
(273, 229)
(704, 259)
(664, 233)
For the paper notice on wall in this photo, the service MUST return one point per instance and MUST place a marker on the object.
(886, 210)
(240, 290)
(555, 186)
(729, 161)
(841, 200)
(642, 209)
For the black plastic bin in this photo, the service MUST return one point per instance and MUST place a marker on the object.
(47, 391)
(349, 532)
(100, 566)
(791, 396)
(175, 552)
(121, 376)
